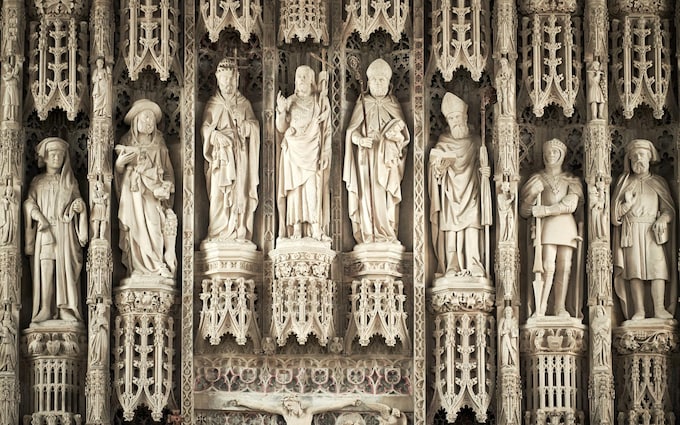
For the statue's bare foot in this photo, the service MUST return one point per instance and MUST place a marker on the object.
(563, 313)
(297, 232)
(662, 314)
(638, 316)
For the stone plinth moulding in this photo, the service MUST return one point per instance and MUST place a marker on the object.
(377, 301)
(143, 344)
(245, 16)
(553, 363)
(55, 350)
(644, 349)
(464, 346)
(302, 292)
(462, 35)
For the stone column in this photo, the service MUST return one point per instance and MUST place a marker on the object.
(598, 179)
(11, 183)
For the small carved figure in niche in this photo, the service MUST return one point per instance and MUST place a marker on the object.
(551, 197)
(601, 337)
(597, 197)
(36, 346)
(99, 331)
(455, 201)
(145, 183)
(644, 238)
(100, 208)
(70, 345)
(375, 158)
(350, 419)
(303, 195)
(388, 415)
(231, 147)
(596, 90)
(8, 221)
(8, 336)
(505, 80)
(508, 329)
(56, 231)
(10, 99)
(101, 89)
(505, 201)
(290, 407)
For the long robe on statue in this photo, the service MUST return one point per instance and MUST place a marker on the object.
(638, 253)
(373, 175)
(231, 170)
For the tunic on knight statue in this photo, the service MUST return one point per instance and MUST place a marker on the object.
(145, 183)
(551, 197)
(304, 166)
(56, 232)
(455, 177)
(231, 146)
(644, 239)
(375, 158)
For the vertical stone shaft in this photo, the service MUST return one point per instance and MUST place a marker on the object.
(419, 248)
(598, 179)
(11, 174)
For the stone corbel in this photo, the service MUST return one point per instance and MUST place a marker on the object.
(245, 16)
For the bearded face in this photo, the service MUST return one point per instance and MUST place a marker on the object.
(458, 126)
(639, 161)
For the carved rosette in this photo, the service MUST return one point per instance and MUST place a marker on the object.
(150, 36)
(296, 21)
(555, 348)
(366, 17)
(245, 16)
(58, 46)
(302, 292)
(55, 353)
(551, 65)
(461, 34)
(143, 346)
(229, 308)
(641, 61)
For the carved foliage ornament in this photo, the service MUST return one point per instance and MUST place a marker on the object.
(550, 62)
(243, 15)
(368, 16)
(150, 32)
(642, 62)
(303, 19)
(462, 35)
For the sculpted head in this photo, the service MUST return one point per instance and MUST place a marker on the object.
(292, 404)
(379, 75)
(455, 111)
(304, 81)
(227, 76)
(144, 116)
(52, 151)
(639, 154)
(554, 152)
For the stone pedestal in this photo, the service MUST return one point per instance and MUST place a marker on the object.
(553, 364)
(228, 271)
(56, 352)
(644, 349)
(302, 292)
(377, 301)
(464, 346)
(143, 344)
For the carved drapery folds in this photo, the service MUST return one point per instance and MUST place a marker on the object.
(150, 36)
(144, 350)
(303, 19)
(58, 46)
(245, 16)
(368, 16)
(462, 36)
(641, 69)
(550, 55)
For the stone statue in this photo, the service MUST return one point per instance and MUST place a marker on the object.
(596, 90)
(10, 99)
(644, 237)
(99, 332)
(8, 336)
(455, 202)
(601, 337)
(599, 219)
(101, 87)
(56, 231)
(290, 407)
(145, 183)
(508, 329)
(375, 157)
(100, 207)
(505, 201)
(505, 79)
(303, 191)
(8, 222)
(231, 146)
(551, 197)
